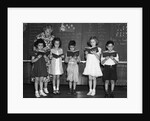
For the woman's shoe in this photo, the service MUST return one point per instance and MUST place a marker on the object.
(74, 92)
(42, 93)
(46, 90)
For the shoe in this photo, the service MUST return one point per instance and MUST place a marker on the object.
(57, 92)
(46, 91)
(54, 92)
(70, 92)
(74, 92)
(112, 95)
(90, 92)
(42, 93)
(37, 94)
(93, 93)
(106, 94)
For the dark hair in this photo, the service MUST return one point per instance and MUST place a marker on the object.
(39, 41)
(54, 40)
(71, 43)
(89, 41)
(109, 42)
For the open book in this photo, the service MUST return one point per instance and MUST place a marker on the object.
(73, 53)
(105, 54)
(56, 56)
(43, 53)
(91, 49)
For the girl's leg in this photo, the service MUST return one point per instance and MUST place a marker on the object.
(106, 87)
(90, 85)
(41, 86)
(58, 83)
(70, 87)
(74, 87)
(112, 88)
(54, 84)
(36, 87)
(45, 85)
(112, 85)
(94, 86)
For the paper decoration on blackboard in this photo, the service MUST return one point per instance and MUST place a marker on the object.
(67, 28)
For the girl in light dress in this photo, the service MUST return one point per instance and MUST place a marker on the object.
(56, 64)
(72, 68)
(92, 68)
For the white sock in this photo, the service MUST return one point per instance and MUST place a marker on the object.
(90, 90)
(93, 90)
(57, 88)
(54, 88)
(36, 91)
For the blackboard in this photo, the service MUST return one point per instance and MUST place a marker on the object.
(81, 32)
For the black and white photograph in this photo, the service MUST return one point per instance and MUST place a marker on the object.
(98, 70)
(74, 60)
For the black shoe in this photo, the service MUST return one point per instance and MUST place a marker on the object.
(57, 92)
(74, 92)
(106, 94)
(112, 95)
(70, 92)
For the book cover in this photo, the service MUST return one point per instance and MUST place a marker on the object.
(72, 53)
(105, 54)
(56, 56)
(91, 49)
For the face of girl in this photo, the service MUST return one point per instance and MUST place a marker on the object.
(40, 46)
(56, 44)
(72, 47)
(110, 47)
(93, 42)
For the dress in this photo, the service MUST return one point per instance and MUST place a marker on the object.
(73, 70)
(40, 69)
(56, 64)
(92, 66)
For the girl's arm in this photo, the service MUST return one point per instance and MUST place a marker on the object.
(62, 53)
(104, 59)
(46, 58)
(33, 60)
(97, 54)
(66, 58)
(115, 59)
(78, 59)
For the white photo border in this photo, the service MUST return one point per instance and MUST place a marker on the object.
(18, 16)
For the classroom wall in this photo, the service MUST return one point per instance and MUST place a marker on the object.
(103, 31)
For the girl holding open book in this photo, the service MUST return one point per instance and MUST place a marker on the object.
(72, 58)
(92, 68)
(39, 71)
(56, 56)
(109, 59)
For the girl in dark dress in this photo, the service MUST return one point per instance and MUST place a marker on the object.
(39, 70)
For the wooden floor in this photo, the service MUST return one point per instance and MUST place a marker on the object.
(82, 90)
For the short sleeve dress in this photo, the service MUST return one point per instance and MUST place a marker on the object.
(92, 66)
(40, 69)
(56, 63)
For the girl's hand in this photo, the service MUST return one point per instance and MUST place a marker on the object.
(86, 52)
(112, 57)
(62, 56)
(93, 52)
(39, 56)
(107, 57)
